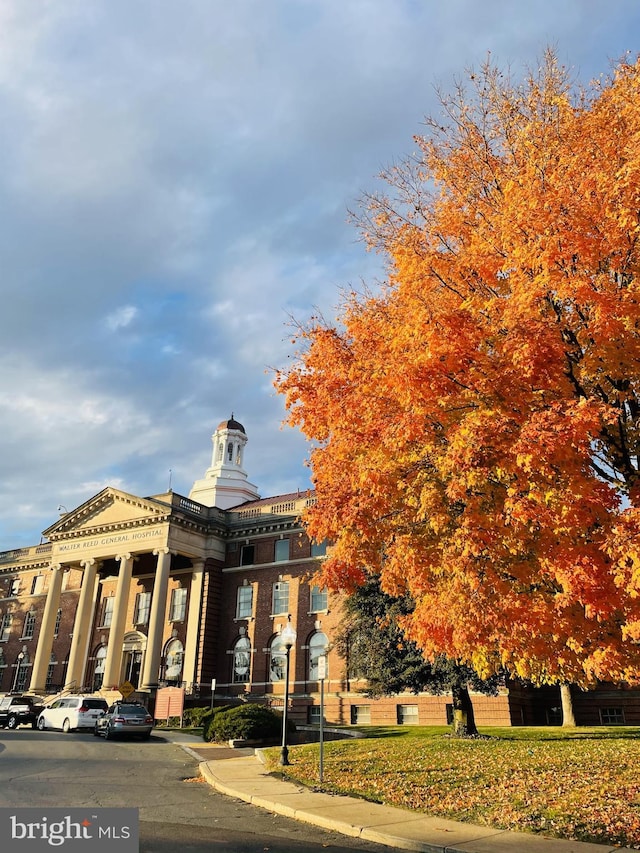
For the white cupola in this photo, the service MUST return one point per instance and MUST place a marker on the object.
(225, 483)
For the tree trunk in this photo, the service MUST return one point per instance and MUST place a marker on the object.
(464, 723)
(568, 718)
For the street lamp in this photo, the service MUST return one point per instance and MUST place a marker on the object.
(288, 639)
(19, 659)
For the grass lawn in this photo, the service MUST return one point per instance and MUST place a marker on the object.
(580, 784)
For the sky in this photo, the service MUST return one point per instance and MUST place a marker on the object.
(175, 181)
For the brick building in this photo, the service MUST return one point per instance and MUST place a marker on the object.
(187, 591)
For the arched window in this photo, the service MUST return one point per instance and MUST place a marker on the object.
(230, 452)
(174, 658)
(277, 659)
(98, 672)
(220, 451)
(242, 661)
(318, 645)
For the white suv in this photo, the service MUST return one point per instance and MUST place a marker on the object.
(72, 712)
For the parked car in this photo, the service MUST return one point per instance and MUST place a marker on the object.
(19, 710)
(124, 718)
(72, 712)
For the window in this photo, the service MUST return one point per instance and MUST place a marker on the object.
(143, 606)
(15, 586)
(281, 550)
(98, 672)
(612, 716)
(280, 598)
(174, 658)
(107, 612)
(318, 645)
(241, 661)
(230, 452)
(37, 584)
(244, 605)
(318, 549)
(554, 716)
(318, 599)
(56, 629)
(178, 608)
(50, 669)
(247, 557)
(407, 715)
(313, 715)
(277, 659)
(29, 625)
(5, 627)
(360, 715)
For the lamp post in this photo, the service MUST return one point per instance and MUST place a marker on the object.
(19, 660)
(288, 639)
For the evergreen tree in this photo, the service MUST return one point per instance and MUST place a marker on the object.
(375, 648)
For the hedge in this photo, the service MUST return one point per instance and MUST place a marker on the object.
(243, 722)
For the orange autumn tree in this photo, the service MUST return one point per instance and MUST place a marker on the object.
(475, 420)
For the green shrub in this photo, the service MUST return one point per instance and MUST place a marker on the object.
(192, 717)
(171, 723)
(245, 722)
(207, 721)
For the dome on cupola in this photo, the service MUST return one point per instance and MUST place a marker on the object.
(231, 424)
(225, 482)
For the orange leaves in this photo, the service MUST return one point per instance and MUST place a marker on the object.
(476, 426)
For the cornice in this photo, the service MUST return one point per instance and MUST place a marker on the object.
(265, 529)
(111, 527)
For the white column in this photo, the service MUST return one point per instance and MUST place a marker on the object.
(193, 624)
(82, 626)
(113, 663)
(47, 629)
(156, 619)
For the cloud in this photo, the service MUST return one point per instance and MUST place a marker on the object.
(121, 318)
(174, 185)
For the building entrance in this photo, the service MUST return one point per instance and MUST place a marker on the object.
(132, 664)
(133, 650)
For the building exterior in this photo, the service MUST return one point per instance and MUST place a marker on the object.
(195, 592)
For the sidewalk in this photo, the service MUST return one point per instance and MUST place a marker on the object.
(245, 778)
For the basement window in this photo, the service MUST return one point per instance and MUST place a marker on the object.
(612, 716)
(407, 715)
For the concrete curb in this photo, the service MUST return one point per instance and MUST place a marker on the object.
(246, 779)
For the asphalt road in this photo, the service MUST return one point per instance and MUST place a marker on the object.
(179, 813)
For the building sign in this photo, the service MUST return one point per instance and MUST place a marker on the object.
(117, 539)
(169, 703)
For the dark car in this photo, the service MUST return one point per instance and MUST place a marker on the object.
(124, 718)
(19, 710)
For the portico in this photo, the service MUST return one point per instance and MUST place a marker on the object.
(141, 561)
